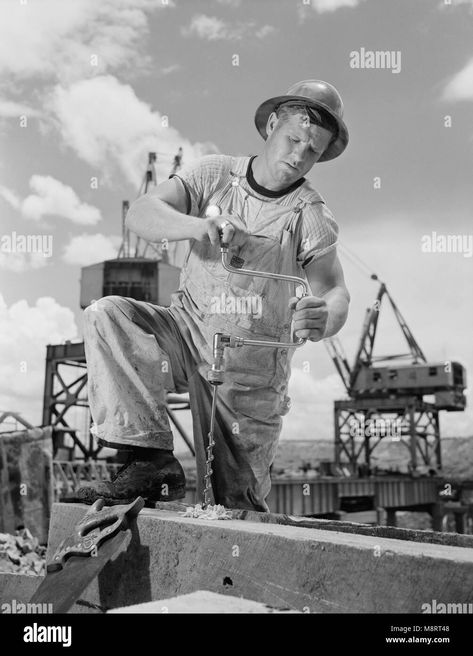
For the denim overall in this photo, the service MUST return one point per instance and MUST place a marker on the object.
(253, 397)
(136, 351)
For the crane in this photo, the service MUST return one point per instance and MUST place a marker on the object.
(384, 392)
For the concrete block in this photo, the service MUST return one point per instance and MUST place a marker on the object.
(201, 601)
(413, 535)
(17, 588)
(305, 569)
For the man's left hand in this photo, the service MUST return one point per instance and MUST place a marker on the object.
(310, 317)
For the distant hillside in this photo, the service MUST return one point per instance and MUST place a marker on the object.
(457, 456)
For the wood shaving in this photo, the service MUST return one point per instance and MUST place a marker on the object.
(211, 512)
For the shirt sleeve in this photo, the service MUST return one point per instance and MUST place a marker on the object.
(318, 235)
(200, 180)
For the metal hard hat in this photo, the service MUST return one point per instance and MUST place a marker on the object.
(316, 94)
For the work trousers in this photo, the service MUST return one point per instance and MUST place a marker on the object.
(135, 353)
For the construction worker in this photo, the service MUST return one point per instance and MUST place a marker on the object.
(273, 221)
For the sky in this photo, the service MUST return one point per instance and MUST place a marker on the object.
(88, 88)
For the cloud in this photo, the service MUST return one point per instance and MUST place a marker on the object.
(10, 197)
(455, 3)
(212, 28)
(12, 109)
(325, 6)
(57, 39)
(207, 27)
(87, 118)
(172, 68)
(460, 86)
(25, 331)
(322, 6)
(311, 412)
(264, 31)
(52, 198)
(19, 262)
(86, 249)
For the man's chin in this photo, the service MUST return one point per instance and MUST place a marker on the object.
(287, 175)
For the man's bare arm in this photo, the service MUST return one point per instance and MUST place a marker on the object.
(327, 281)
(161, 214)
(323, 313)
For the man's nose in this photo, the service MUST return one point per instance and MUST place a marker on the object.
(297, 157)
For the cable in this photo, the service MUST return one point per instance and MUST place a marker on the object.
(357, 261)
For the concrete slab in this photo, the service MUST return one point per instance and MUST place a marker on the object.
(415, 535)
(309, 570)
(202, 601)
(17, 588)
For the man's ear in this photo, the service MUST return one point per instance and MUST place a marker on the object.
(271, 123)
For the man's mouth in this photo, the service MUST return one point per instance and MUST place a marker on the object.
(290, 166)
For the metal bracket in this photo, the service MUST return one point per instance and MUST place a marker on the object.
(98, 524)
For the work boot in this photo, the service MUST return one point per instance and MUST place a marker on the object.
(154, 474)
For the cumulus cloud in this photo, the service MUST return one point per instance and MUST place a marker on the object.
(454, 3)
(172, 68)
(325, 6)
(265, 31)
(86, 249)
(311, 412)
(212, 28)
(12, 109)
(10, 197)
(25, 331)
(19, 262)
(57, 39)
(322, 6)
(52, 198)
(460, 86)
(107, 125)
(207, 27)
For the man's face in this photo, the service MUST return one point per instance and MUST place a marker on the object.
(293, 146)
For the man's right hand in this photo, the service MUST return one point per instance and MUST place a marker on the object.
(232, 234)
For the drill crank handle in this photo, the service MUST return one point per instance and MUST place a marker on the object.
(275, 276)
(264, 274)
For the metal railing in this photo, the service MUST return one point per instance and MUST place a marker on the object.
(69, 476)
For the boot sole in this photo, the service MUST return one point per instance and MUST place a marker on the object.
(175, 494)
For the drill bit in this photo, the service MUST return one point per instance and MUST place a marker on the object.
(210, 457)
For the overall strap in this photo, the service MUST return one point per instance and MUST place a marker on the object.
(307, 196)
(226, 180)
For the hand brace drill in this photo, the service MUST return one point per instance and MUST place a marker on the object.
(222, 341)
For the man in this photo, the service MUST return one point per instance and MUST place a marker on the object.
(273, 221)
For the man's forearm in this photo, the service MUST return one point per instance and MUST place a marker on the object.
(338, 300)
(154, 220)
